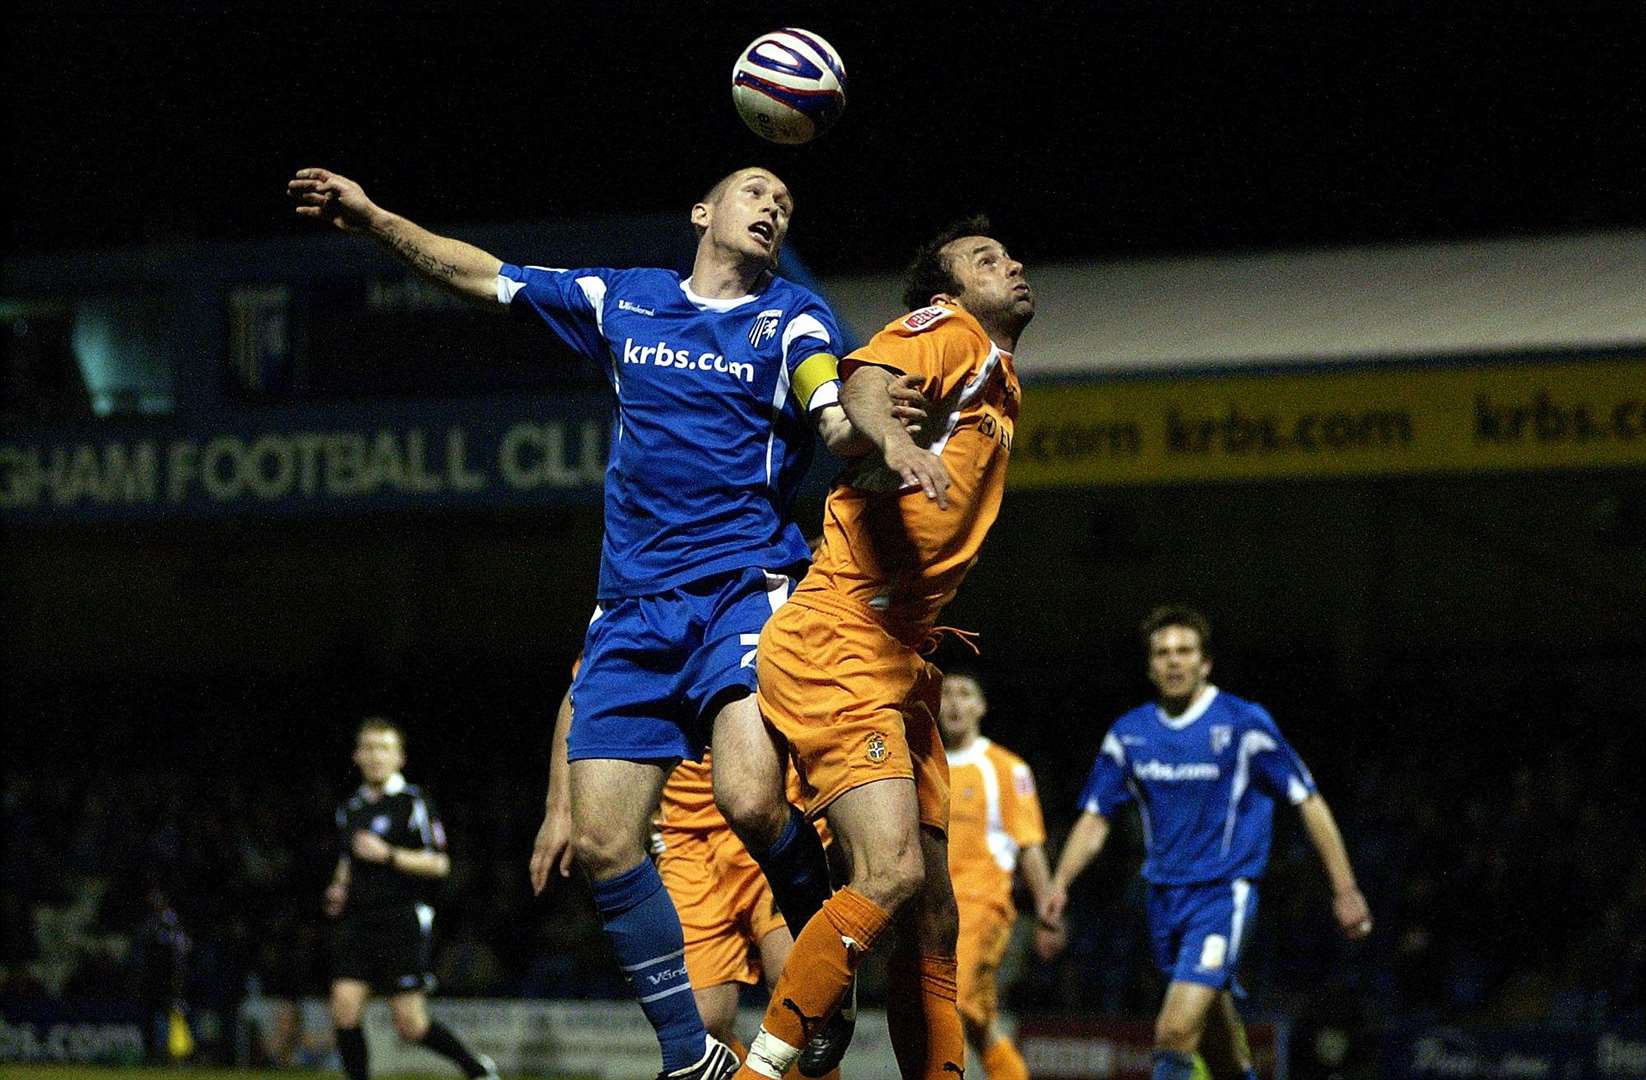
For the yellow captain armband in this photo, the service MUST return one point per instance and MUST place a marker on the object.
(814, 372)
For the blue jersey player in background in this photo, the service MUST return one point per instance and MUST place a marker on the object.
(1205, 770)
(719, 380)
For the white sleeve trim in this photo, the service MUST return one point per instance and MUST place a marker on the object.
(800, 326)
(824, 396)
(507, 287)
(594, 291)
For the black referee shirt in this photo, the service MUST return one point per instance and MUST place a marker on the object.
(403, 816)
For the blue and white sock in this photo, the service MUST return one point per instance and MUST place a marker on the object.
(1172, 1065)
(644, 931)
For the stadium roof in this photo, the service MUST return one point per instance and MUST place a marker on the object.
(1286, 308)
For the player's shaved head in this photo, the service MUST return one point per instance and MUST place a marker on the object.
(714, 193)
(711, 198)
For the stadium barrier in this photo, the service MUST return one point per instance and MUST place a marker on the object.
(1088, 1048)
(537, 1038)
(1522, 1052)
(52, 1030)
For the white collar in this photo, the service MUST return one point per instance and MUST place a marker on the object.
(970, 754)
(1194, 712)
(394, 785)
(710, 303)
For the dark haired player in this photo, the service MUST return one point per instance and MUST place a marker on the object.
(843, 678)
(1205, 768)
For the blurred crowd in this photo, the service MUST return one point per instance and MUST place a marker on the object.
(1507, 876)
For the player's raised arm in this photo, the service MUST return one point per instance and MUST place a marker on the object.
(1354, 917)
(452, 264)
(867, 399)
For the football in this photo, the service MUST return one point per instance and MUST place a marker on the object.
(789, 86)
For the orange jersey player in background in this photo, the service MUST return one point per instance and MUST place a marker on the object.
(841, 674)
(734, 933)
(995, 829)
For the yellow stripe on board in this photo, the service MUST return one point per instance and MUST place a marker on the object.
(1386, 421)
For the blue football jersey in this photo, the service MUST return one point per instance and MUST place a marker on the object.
(1205, 783)
(710, 435)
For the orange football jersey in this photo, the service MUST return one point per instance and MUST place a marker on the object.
(994, 814)
(903, 556)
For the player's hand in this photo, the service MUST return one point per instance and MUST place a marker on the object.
(552, 850)
(323, 194)
(1051, 907)
(337, 894)
(370, 847)
(909, 405)
(1049, 941)
(922, 469)
(1354, 918)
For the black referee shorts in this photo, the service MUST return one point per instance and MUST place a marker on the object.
(390, 950)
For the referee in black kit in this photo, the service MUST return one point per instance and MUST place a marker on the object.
(393, 848)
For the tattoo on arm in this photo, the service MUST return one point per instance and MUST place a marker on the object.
(407, 248)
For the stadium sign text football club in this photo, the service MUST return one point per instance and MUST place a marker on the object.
(284, 471)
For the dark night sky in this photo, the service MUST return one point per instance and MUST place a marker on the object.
(1100, 128)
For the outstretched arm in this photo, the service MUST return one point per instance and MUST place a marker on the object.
(459, 267)
(1085, 840)
(552, 850)
(1354, 918)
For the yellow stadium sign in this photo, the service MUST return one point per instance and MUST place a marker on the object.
(1382, 421)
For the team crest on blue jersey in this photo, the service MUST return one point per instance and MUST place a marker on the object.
(1222, 736)
(764, 327)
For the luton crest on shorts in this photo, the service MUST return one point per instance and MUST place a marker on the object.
(876, 748)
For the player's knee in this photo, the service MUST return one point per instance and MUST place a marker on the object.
(894, 879)
(345, 1010)
(410, 1028)
(604, 853)
(757, 816)
(1174, 1032)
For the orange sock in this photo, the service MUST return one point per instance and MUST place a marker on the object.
(815, 979)
(921, 1015)
(794, 1074)
(1002, 1061)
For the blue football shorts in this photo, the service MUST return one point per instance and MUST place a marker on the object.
(1196, 931)
(655, 666)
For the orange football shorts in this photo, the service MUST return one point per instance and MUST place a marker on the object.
(855, 704)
